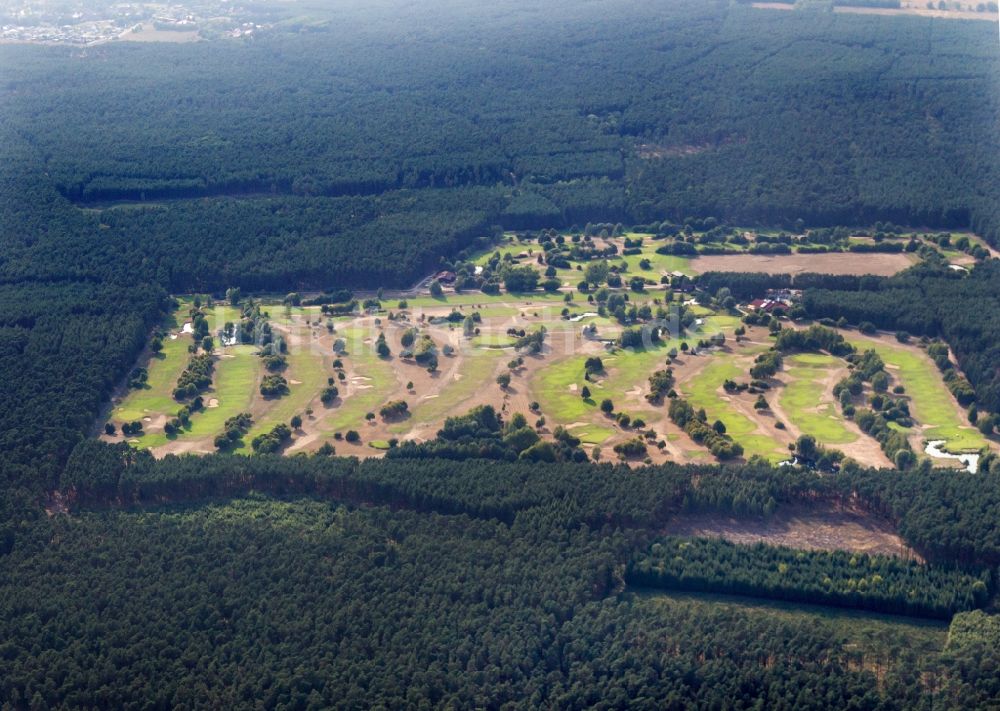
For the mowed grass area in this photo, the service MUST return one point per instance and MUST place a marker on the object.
(372, 378)
(474, 298)
(625, 371)
(233, 382)
(931, 403)
(659, 264)
(306, 374)
(562, 405)
(702, 391)
(805, 402)
(233, 388)
(553, 388)
(458, 380)
(628, 369)
(164, 368)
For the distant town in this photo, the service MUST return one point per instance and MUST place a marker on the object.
(88, 23)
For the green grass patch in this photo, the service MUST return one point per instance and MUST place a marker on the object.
(164, 370)
(552, 388)
(804, 403)
(471, 298)
(476, 372)
(492, 340)
(233, 386)
(368, 395)
(702, 392)
(659, 264)
(591, 435)
(233, 382)
(931, 402)
(306, 375)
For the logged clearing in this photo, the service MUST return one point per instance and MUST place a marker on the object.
(878, 264)
(814, 527)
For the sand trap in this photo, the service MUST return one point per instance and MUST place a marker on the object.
(295, 382)
(213, 403)
(188, 328)
(429, 397)
(364, 387)
(360, 377)
(147, 419)
(572, 388)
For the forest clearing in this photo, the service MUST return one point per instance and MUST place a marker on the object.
(602, 352)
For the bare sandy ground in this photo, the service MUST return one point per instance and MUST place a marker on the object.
(879, 264)
(816, 527)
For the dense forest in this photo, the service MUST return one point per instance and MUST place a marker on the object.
(308, 605)
(838, 578)
(263, 163)
(506, 581)
(358, 155)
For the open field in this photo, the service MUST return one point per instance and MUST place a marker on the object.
(149, 33)
(816, 527)
(912, 9)
(834, 263)
(937, 414)
(807, 399)
(652, 266)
